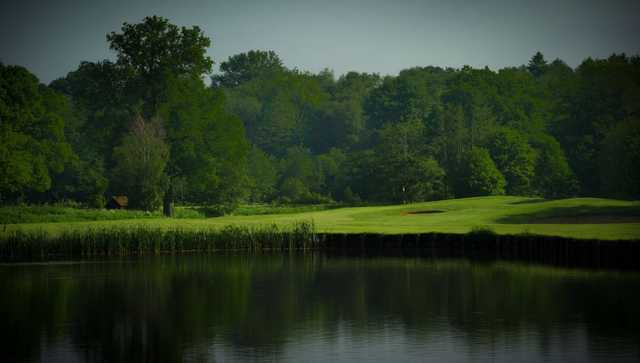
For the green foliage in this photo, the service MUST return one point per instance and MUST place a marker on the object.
(537, 65)
(620, 160)
(262, 132)
(509, 112)
(330, 168)
(263, 175)
(123, 242)
(299, 164)
(277, 108)
(553, 176)
(83, 181)
(141, 160)
(478, 175)
(245, 67)
(412, 94)
(514, 158)
(340, 122)
(58, 213)
(154, 51)
(207, 145)
(359, 176)
(102, 106)
(32, 139)
(294, 190)
(602, 94)
(405, 175)
(207, 149)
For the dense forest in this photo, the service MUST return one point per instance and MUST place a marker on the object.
(158, 125)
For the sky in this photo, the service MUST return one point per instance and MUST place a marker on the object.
(51, 38)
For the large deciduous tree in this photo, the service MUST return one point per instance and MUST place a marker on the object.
(156, 51)
(514, 158)
(141, 159)
(32, 139)
(207, 147)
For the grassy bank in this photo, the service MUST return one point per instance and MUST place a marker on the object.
(144, 240)
(20, 214)
(576, 218)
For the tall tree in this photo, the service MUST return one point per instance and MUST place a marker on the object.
(514, 158)
(263, 175)
(537, 65)
(340, 122)
(100, 96)
(477, 175)
(553, 175)
(606, 92)
(206, 145)
(32, 139)
(156, 51)
(141, 160)
(408, 174)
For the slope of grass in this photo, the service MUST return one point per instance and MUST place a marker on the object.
(505, 214)
(56, 213)
(61, 213)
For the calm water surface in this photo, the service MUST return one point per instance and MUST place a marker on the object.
(315, 308)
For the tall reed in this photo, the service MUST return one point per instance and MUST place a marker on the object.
(141, 240)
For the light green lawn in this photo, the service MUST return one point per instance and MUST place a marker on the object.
(506, 215)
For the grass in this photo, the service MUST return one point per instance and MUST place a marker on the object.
(55, 213)
(261, 209)
(144, 240)
(502, 215)
(61, 213)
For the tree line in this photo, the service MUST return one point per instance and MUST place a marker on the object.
(148, 126)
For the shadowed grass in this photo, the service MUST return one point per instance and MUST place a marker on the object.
(586, 213)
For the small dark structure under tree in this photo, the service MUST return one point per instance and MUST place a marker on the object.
(118, 202)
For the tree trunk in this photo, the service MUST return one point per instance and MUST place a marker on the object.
(167, 206)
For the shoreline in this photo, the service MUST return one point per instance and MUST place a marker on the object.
(302, 238)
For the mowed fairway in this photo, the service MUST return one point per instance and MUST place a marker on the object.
(578, 218)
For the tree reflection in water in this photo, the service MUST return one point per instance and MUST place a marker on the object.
(296, 308)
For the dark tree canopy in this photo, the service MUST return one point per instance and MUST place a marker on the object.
(155, 46)
(33, 146)
(264, 133)
(537, 65)
(245, 67)
(155, 50)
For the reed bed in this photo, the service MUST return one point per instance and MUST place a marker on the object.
(141, 241)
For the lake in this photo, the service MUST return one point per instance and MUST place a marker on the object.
(315, 308)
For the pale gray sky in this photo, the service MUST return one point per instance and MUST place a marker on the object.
(51, 38)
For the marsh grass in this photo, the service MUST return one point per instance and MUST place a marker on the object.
(141, 241)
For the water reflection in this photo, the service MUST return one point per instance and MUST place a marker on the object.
(199, 308)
